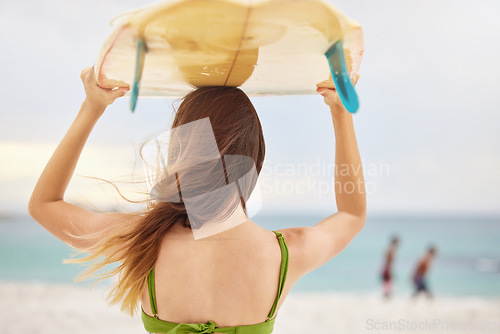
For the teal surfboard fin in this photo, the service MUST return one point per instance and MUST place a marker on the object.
(139, 66)
(340, 76)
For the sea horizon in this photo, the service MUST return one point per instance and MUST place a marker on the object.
(467, 265)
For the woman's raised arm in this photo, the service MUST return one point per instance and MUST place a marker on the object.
(47, 205)
(316, 245)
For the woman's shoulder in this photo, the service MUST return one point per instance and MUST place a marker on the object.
(295, 240)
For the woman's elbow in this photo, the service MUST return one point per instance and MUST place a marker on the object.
(358, 220)
(33, 208)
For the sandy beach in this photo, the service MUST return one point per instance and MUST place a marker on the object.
(65, 308)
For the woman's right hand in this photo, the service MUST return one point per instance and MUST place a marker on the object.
(331, 96)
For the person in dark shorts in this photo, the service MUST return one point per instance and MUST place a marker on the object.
(386, 275)
(421, 271)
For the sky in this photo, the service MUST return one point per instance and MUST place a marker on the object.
(427, 125)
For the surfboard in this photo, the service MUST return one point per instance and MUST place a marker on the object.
(264, 47)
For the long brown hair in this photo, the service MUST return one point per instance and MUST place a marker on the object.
(136, 243)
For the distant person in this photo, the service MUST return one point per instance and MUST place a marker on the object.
(387, 269)
(420, 274)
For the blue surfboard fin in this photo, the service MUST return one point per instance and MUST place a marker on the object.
(340, 76)
(139, 66)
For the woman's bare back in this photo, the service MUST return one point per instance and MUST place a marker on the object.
(231, 278)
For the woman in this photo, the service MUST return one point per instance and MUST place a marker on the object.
(233, 281)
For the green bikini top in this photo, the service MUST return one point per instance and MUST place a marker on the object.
(156, 325)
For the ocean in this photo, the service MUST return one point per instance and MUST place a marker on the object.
(467, 262)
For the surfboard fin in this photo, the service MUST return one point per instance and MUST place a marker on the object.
(340, 76)
(139, 66)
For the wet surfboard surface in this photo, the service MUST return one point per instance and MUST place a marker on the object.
(267, 47)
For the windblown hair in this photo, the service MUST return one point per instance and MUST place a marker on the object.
(135, 244)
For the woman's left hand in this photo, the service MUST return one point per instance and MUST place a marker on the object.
(97, 96)
(68, 221)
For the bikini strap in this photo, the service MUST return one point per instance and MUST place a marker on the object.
(152, 292)
(283, 272)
